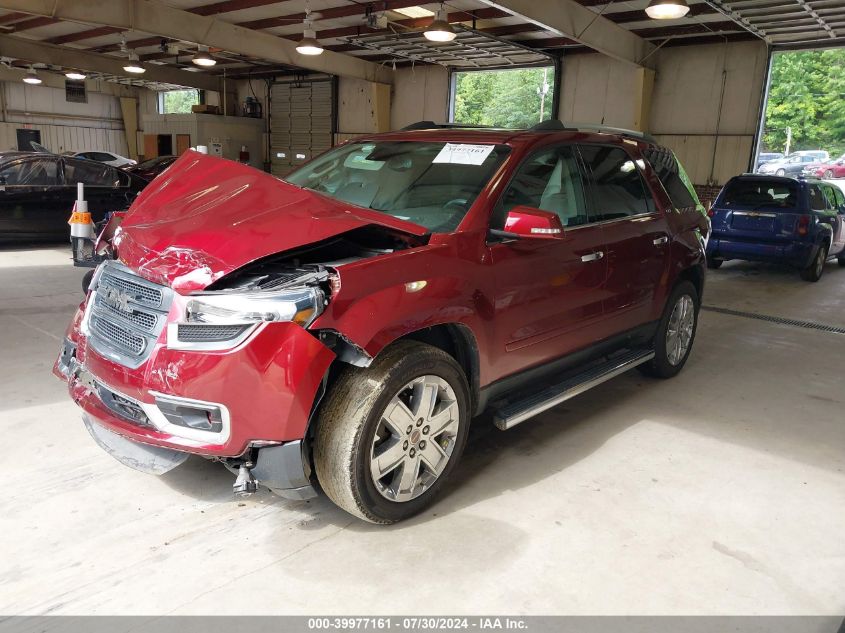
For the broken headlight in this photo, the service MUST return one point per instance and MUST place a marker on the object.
(223, 319)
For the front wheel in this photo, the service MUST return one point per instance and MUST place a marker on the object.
(389, 436)
(780, 172)
(675, 333)
(814, 271)
(828, 174)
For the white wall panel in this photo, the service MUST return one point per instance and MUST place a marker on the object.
(419, 94)
(598, 89)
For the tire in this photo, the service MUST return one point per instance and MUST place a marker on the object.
(665, 364)
(780, 172)
(841, 260)
(353, 425)
(828, 175)
(714, 264)
(86, 281)
(815, 270)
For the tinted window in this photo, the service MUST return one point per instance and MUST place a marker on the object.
(42, 171)
(760, 193)
(618, 189)
(91, 173)
(101, 156)
(549, 180)
(840, 197)
(665, 164)
(818, 202)
(830, 196)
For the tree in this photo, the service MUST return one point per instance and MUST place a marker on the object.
(179, 101)
(807, 94)
(502, 98)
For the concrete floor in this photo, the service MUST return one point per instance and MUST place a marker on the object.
(719, 492)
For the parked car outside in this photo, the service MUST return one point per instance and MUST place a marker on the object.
(794, 164)
(339, 329)
(829, 170)
(37, 192)
(151, 168)
(109, 158)
(791, 221)
(767, 157)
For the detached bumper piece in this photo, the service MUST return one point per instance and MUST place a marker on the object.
(282, 470)
(152, 460)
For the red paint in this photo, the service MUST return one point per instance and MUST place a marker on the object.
(525, 302)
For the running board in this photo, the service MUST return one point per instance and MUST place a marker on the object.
(519, 411)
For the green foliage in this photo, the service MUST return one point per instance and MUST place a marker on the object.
(179, 101)
(503, 98)
(807, 94)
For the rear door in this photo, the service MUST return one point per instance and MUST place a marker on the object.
(106, 188)
(31, 202)
(635, 232)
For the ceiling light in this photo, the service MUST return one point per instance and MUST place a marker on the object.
(75, 75)
(32, 77)
(309, 45)
(133, 65)
(202, 58)
(440, 30)
(667, 9)
(415, 12)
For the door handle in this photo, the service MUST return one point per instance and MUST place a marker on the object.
(660, 241)
(592, 257)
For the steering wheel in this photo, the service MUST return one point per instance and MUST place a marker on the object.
(457, 201)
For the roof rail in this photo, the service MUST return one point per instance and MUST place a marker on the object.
(554, 125)
(431, 125)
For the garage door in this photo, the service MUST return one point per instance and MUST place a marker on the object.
(301, 122)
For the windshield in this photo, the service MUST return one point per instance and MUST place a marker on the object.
(761, 194)
(430, 184)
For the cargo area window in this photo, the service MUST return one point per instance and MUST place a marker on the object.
(759, 193)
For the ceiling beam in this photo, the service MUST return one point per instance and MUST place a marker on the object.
(33, 23)
(571, 19)
(150, 16)
(40, 53)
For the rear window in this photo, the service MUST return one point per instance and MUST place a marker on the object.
(761, 194)
(665, 164)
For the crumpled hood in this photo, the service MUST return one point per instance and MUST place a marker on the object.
(205, 217)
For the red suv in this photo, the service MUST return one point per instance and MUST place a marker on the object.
(339, 329)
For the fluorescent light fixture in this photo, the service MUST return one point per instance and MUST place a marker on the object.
(32, 77)
(667, 9)
(202, 58)
(75, 75)
(415, 12)
(309, 45)
(440, 30)
(133, 65)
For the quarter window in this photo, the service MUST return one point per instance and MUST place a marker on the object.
(618, 190)
(551, 181)
(817, 199)
(91, 173)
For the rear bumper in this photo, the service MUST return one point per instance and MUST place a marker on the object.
(793, 253)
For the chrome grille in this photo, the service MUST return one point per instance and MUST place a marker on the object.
(127, 315)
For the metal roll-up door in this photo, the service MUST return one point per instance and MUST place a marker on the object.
(302, 115)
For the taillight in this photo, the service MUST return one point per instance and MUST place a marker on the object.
(711, 212)
(804, 225)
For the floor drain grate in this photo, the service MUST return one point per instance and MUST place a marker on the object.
(809, 325)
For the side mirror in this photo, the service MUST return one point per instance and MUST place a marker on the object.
(524, 222)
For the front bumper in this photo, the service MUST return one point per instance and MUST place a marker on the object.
(258, 395)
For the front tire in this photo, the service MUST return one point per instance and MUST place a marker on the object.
(389, 436)
(675, 333)
(815, 270)
(780, 172)
(828, 175)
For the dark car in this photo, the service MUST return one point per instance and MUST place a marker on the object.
(792, 221)
(338, 330)
(37, 192)
(767, 157)
(151, 168)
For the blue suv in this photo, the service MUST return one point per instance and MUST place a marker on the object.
(792, 221)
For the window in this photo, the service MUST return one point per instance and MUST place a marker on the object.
(818, 202)
(75, 91)
(830, 196)
(618, 190)
(431, 184)
(92, 174)
(177, 101)
(760, 193)
(665, 164)
(549, 180)
(516, 98)
(840, 198)
(101, 157)
(38, 172)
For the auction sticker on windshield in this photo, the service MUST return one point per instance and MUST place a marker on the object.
(463, 154)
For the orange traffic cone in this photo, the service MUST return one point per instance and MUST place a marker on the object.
(81, 230)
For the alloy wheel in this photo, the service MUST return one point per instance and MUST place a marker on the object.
(680, 329)
(415, 438)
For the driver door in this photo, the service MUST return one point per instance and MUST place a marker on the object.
(548, 292)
